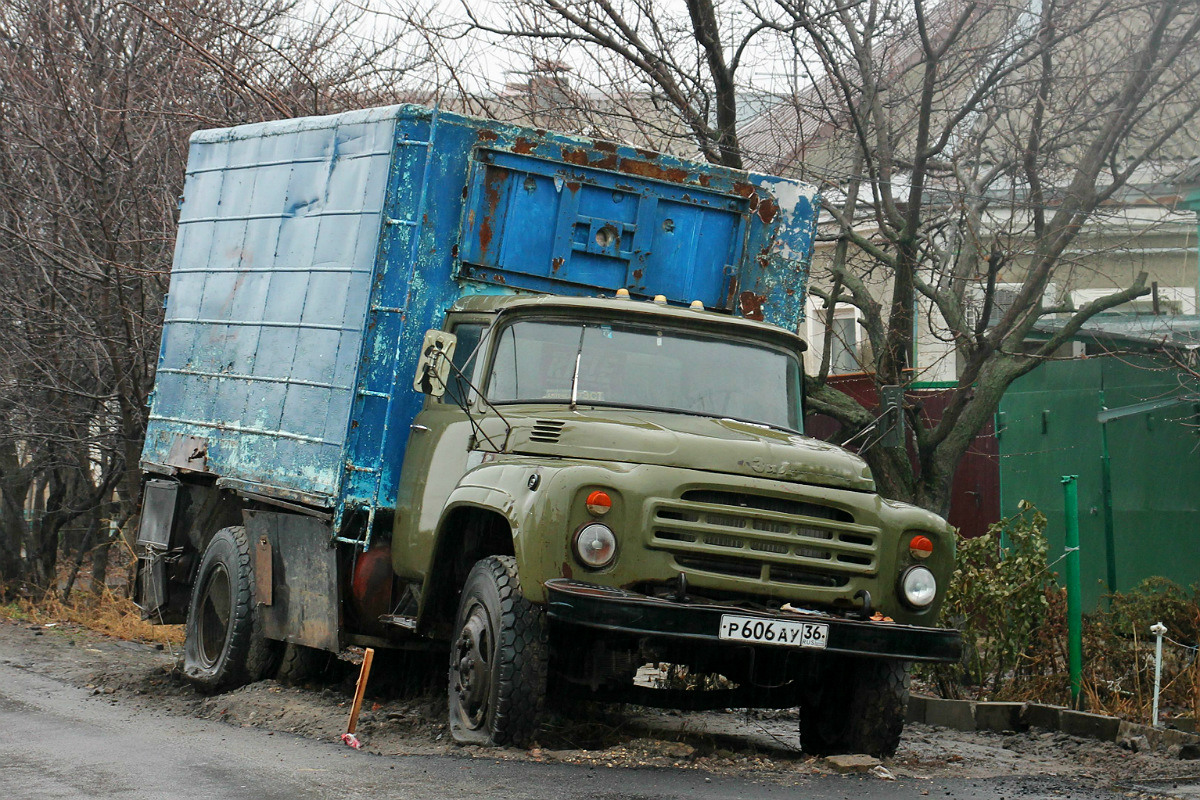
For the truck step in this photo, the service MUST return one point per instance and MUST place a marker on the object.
(399, 620)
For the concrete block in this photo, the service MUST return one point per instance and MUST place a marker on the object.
(916, 708)
(1089, 726)
(956, 714)
(1159, 738)
(1000, 717)
(853, 763)
(1037, 715)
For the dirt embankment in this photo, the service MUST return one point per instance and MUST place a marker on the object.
(404, 714)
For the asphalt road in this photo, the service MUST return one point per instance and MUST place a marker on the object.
(59, 741)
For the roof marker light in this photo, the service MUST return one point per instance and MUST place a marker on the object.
(697, 305)
(660, 299)
(622, 293)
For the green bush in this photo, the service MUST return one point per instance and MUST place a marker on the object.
(1013, 616)
(997, 599)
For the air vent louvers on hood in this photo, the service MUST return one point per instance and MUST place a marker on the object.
(546, 430)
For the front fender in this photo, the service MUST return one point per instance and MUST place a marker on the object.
(539, 498)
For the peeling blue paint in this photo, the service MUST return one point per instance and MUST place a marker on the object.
(313, 254)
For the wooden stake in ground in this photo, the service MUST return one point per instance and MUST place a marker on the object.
(361, 688)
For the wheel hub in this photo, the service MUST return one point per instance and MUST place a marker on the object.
(473, 668)
(215, 616)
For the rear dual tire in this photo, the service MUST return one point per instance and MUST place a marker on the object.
(223, 646)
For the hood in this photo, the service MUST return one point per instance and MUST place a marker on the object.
(686, 441)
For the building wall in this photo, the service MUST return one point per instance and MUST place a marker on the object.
(1156, 238)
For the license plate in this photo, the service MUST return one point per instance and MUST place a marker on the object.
(773, 631)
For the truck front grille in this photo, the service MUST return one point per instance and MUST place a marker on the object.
(766, 539)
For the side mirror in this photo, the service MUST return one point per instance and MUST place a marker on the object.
(433, 367)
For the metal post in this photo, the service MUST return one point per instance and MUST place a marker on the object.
(1158, 629)
(1110, 546)
(1074, 602)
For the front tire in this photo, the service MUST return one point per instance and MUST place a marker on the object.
(857, 707)
(223, 645)
(497, 659)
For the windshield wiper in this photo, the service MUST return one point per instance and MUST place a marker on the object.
(575, 375)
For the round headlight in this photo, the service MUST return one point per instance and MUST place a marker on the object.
(595, 545)
(918, 587)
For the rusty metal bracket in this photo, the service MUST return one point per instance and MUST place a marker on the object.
(263, 576)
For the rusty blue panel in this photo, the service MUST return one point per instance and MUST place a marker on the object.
(610, 230)
(774, 274)
(264, 322)
(313, 254)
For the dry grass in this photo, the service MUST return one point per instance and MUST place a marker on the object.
(105, 613)
(1118, 654)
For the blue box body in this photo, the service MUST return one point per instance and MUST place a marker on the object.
(313, 254)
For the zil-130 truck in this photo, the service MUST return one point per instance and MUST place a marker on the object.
(427, 380)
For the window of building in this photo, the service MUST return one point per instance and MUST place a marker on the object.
(845, 343)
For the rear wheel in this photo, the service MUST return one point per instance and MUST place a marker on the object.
(497, 659)
(223, 645)
(857, 707)
(298, 663)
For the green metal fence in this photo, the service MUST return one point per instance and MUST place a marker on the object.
(1048, 427)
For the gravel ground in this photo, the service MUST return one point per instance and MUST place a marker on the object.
(405, 711)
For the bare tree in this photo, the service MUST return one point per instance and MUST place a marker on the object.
(960, 144)
(986, 137)
(662, 74)
(97, 99)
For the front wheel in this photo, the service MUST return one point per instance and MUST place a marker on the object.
(497, 659)
(223, 644)
(858, 706)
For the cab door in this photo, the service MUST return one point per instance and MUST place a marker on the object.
(437, 455)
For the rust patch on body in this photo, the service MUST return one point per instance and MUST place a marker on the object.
(637, 275)
(567, 572)
(488, 136)
(646, 169)
(491, 193)
(578, 157)
(767, 209)
(523, 146)
(556, 264)
(752, 305)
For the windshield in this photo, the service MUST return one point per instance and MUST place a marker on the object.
(639, 366)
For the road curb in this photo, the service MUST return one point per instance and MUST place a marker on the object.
(973, 715)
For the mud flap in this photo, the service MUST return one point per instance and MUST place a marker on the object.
(299, 603)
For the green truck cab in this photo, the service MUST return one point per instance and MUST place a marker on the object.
(635, 478)
(428, 381)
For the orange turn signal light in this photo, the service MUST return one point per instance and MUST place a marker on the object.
(920, 547)
(599, 503)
